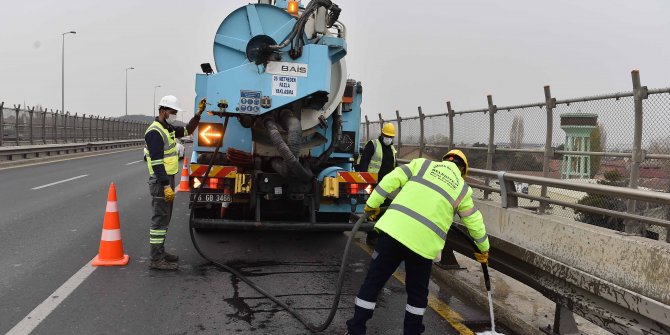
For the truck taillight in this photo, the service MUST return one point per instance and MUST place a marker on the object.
(354, 188)
(212, 183)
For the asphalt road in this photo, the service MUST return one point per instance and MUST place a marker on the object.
(50, 224)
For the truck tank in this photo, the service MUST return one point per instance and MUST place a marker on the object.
(276, 144)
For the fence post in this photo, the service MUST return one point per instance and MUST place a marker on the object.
(2, 125)
(30, 115)
(422, 141)
(90, 128)
(66, 115)
(74, 129)
(44, 126)
(548, 149)
(55, 126)
(367, 129)
(491, 146)
(639, 94)
(16, 123)
(397, 116)
(451, 125)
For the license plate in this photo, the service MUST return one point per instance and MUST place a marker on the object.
(213, 197)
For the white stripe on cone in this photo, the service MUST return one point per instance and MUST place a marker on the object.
(112, 207)
(111, 235)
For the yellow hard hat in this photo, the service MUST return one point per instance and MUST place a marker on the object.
(388, 129)
(459, 154)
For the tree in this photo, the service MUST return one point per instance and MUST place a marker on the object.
(598, 144)
(612, 178)
(516, 132)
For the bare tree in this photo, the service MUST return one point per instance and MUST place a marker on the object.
(516, 133)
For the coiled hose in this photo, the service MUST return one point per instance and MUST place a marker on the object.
(340, 279)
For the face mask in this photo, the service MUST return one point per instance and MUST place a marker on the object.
(171, 118)
(388, 140)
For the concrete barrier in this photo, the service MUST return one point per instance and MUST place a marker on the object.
(629, 271)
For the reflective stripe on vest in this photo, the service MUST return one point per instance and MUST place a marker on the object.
(378, 156)
(170, 156)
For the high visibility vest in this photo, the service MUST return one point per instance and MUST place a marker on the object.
(376, 159)
(421, 214)
(170, 156)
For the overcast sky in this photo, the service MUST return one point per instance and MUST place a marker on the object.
(406, 53)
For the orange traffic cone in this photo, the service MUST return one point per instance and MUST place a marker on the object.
(111, 245)
(183, 183)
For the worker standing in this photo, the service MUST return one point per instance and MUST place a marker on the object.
(379, 156)
(163, 162)
(414, 229)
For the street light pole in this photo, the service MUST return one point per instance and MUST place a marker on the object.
(154, 106)
(62, 97)
(129, 68)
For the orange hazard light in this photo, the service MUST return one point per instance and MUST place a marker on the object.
(293, 7)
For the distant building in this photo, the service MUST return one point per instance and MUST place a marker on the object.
(577, 128)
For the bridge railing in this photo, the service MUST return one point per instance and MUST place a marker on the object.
(33, 126)
(619, 140)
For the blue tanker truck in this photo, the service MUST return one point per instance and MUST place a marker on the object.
(276, 145)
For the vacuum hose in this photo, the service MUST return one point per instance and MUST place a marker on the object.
(340, 279)
(290, 166)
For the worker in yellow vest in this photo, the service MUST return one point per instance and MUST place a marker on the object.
(414, 229)
(379, 156)
(163, 162)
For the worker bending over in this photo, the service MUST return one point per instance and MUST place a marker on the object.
(163, 162)
(414, 230)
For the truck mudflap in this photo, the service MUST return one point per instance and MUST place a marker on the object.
(276, 225)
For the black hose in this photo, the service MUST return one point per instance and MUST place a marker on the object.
(293, 129)
(485, 268)
(340, 279)
(292, 165)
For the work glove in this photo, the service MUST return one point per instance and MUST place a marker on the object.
(482, 257)
(373, 212)
(202, 105)
(169, 194)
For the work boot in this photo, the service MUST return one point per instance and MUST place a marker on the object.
(163, 264)
(170, 257)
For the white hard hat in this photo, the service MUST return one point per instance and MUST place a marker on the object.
(170, 101)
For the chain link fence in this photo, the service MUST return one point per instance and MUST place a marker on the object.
(30, 126)
(619, 139)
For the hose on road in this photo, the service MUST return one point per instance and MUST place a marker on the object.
(340, 279)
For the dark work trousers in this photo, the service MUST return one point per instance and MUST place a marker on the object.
(385, 260)
(161, 218)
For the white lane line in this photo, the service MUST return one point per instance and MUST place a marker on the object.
(58, 182)
(41, 312)
(141, 160)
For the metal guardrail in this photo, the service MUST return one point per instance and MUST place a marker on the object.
(509, 195)
(8, 154)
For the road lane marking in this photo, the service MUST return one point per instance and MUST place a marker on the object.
(442, 309)
(59, 182)
(67, 159)
(141, 160)
(42, 311)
